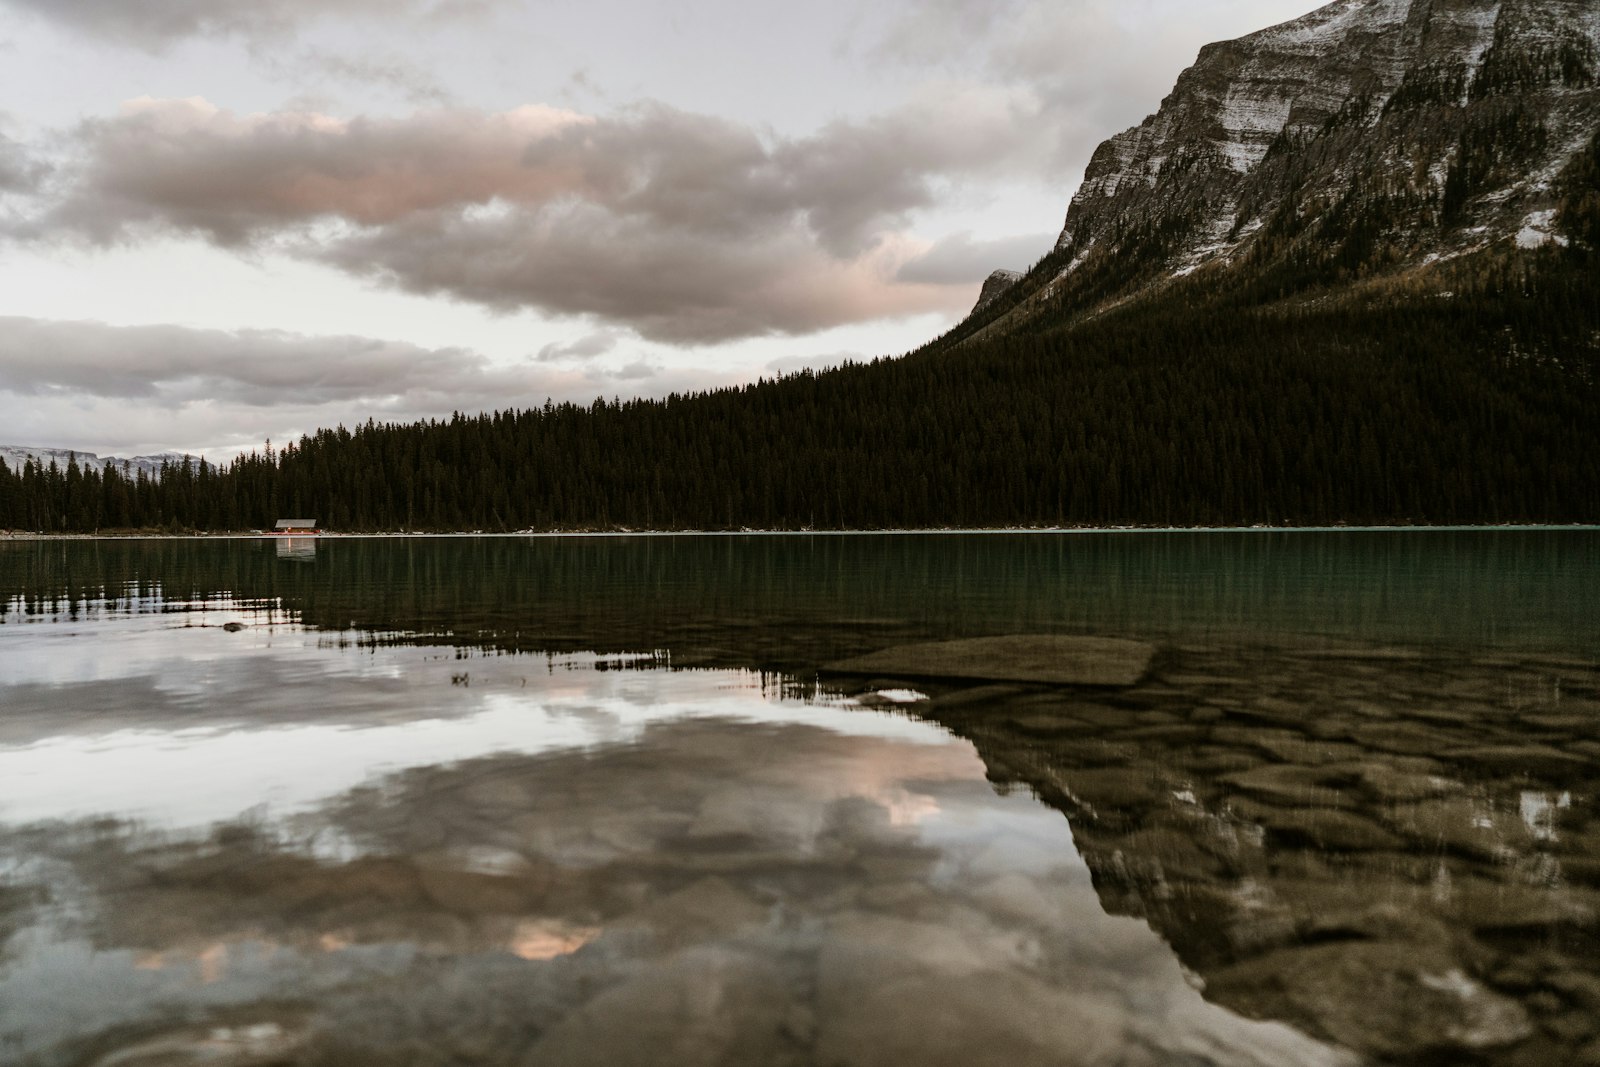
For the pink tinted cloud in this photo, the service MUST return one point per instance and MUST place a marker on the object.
(684, 227)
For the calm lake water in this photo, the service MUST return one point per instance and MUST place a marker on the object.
(601, 800)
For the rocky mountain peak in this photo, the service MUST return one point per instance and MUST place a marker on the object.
(1378, 132)
(994, 285)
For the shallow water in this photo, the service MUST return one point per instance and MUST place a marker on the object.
(552, 801)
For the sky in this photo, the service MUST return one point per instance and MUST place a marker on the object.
(227, 221)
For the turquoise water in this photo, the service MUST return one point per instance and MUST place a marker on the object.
(1519, 587)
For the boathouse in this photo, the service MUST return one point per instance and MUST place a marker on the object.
(296, 527)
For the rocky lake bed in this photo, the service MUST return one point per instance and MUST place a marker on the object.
(1392, 848)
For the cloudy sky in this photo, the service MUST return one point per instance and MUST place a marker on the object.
(228, 220)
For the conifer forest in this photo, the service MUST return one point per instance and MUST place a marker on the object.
(1230, 399)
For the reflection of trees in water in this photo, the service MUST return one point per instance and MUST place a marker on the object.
(13, 904)
(1391, 850)
(796, 601)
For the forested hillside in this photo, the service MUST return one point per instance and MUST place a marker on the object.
(1466, 395)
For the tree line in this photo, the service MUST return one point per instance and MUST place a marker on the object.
(1474, 405)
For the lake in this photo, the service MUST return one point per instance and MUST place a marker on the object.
(562, 800)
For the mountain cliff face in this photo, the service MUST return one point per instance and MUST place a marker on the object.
(1369, 135)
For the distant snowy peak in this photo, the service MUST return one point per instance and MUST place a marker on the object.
(16, 456)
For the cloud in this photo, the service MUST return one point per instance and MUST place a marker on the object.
(669, 284)
(853, 177)
(638, 370)
(20, 172)
(584, 348)
(191, 166)
(785, 365)
(960, 259)
(188, 166)
(1093, 67)
(396, 74)
(171, 367)
(685, 227)
(125, 389)
(929, 32)
(154, 24)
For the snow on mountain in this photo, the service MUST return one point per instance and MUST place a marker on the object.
(1367, 64)
(1433, 128)
(15, 456)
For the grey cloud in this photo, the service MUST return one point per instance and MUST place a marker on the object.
(961, 260)
(669, 284)
(938, 31)
(858, 175)
(673, 167)
(586, 347)
(1090, 67)
(153, 24)
(794, 364)
(130, 389)
(20, 172)
(394, 73)
(187, 165)
(638, 370)
(171, 367)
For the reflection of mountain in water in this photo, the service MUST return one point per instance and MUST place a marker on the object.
(1393, 850)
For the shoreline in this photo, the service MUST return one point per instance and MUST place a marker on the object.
(22, 536)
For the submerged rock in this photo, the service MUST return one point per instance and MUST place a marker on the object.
(1538, 760)
(1390, 999)
(1335, 831)
(1040, 658)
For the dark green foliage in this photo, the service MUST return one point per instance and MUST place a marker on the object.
(1492, 149)
(1197, 406)
(1052, 264)
(1579, 186)
(1516, 65)
(1430, 85)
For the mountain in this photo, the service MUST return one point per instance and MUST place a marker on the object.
(14, 456)
(995, 286)
(1349, 272)
(1368, 138)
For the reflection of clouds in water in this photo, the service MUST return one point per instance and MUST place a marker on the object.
(181, 644)
(712, 891)
(907, 808)
(541, 939)
(188, 727)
